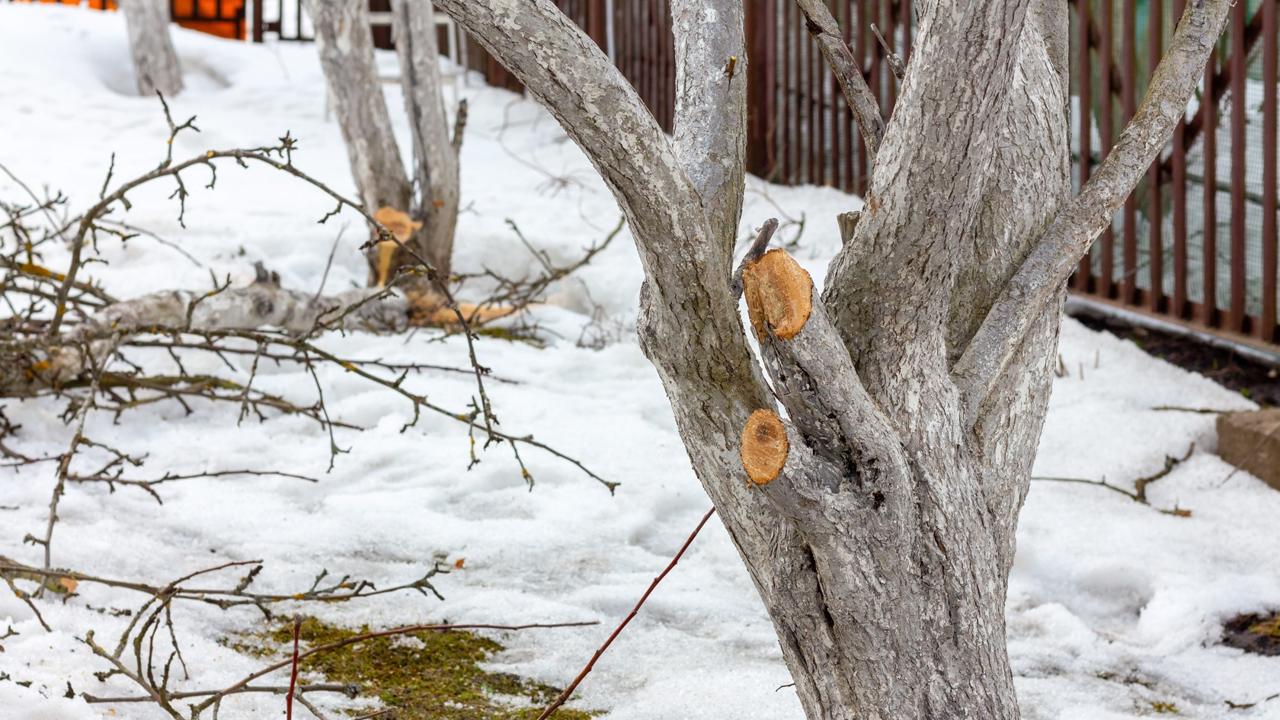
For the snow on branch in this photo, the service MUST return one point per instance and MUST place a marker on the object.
(1073, 230)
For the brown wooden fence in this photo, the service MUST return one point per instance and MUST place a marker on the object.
(1197, 241)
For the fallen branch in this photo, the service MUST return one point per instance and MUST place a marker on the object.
(342, 589)
(1139, 492)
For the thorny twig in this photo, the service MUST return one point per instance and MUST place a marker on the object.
(64, 463)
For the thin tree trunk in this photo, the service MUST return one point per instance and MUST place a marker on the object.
(345, 44)
(435, 153)
(155, 62)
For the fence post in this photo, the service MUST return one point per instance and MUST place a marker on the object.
(596, 26)
(761, 96)
(257, 20)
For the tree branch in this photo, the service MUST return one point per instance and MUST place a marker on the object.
(1073, 230)
(815, 379)
(866, 109)
(685, 301)
(711, 108)
(569, 74)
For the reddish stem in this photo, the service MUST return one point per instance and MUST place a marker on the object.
(293, 670)
(564, 695)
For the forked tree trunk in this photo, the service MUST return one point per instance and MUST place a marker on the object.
(345, 43)
(346, 56)
(435, 153)
(877, 520)
(155, 62)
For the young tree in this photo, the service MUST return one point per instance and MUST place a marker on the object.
(425, 220)
(878, 506)
(154, 60)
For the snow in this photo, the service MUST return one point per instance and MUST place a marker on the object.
(1112, 605)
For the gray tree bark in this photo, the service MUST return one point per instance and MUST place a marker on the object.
(155, 62)
(916, 383)
(345, 43)
(257, 306)
(435, 153)
(346, 56)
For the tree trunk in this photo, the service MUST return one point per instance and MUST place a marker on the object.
(435, 153)
(877, 521)
(155, 62)
(345, 43)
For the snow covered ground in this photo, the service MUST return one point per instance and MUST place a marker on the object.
(1113, 608)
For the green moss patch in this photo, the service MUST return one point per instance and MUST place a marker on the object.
(423, 676)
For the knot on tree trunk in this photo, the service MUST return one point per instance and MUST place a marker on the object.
(779, 294)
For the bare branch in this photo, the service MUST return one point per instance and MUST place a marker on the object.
(898, 67)
(866, 109)
(569, 74)
(1073, 230)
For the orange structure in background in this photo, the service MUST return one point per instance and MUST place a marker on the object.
(224, 18)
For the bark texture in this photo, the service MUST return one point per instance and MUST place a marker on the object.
(435, 153)
(876, 516)
(26, 367)
(346, 56)
(155, 62)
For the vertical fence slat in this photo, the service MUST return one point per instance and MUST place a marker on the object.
(811, 107)
(1105, 55)
(1155, 211)
(832, 159)
(1267, 327)
(1239, 108)
(1209, 143)
(760, 92)
(1179, 191)
(782, 44)
(1085, 118)
(904, 22)
(860, 12)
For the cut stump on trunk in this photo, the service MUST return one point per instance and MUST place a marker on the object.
(764, 446)
(779, 294)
